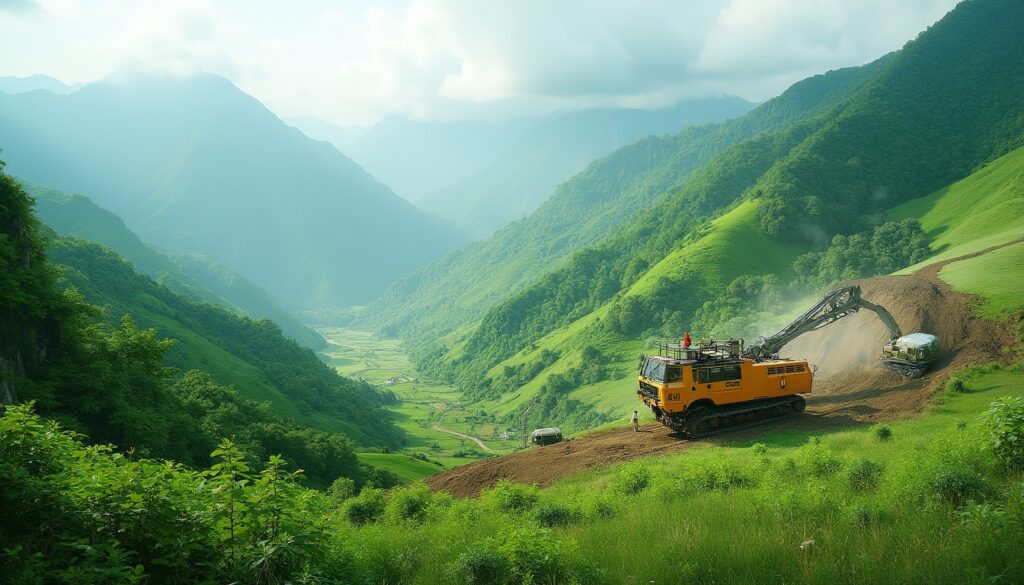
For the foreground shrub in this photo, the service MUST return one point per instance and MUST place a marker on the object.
(409, 504)
(553, 514)
(508, 496)
(957, 486)
(883, 432)
(632, 479)
(524, 555)
(864, 474)
(367, 507)
(956, 385)
(819, 459)
(481, 565)
(1004, 430)
(718, 476)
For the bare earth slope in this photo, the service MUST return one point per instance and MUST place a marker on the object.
(850, 387)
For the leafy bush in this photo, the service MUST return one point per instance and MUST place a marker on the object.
(759, 449)
(957, 486)
(367, 507)
(819, 459)
(863, 516)
(864, 474)
(956, 385)
(553, 514)
(883, 432)
(1004, 430)
(409, 504)
(717, 476)
(481, 564)
(342, 489)
(632, 479)
(508, 496)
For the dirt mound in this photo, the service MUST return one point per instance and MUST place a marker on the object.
(850, 386)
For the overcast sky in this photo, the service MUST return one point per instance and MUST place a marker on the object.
(352, 62)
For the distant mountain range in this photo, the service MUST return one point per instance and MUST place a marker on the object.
(14, 85)
(556, 148)
(194, 165)
(415, 157)
(317, 129)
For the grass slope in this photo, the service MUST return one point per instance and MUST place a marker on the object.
(699, 268)
(979, 211)
(997, 277)
(405, 467)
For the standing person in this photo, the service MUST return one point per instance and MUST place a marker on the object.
(635, 419)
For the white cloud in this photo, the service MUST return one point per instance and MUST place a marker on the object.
(353, 62)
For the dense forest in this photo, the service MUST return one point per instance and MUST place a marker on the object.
(97, 372)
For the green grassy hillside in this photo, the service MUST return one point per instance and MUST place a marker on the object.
(406, 468)
(982, 210)
(76, 215)
(253, 356)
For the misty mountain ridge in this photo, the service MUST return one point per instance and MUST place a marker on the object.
(194, 165)
(555, 149)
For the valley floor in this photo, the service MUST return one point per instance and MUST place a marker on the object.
(438, 425)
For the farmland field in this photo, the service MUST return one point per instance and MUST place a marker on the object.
(432, 415)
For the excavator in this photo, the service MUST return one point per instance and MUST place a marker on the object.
(720, 385)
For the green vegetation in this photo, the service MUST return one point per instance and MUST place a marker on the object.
(997, 276)
(431, 415)
(250, 355)
(982, 210)
(837, 507)
(109, 381)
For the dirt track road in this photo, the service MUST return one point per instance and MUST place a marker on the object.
(850, 387)
(467, 437)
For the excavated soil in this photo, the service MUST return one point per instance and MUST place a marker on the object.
(850, 388)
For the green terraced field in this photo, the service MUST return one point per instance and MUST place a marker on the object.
(421, 408)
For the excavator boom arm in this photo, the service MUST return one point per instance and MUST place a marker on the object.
(837, 304)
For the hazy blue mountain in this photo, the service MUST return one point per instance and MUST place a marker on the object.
(195, 165)
(317, 129)
(33, 82)
(415, 157)
(557, 148)
(193, 276)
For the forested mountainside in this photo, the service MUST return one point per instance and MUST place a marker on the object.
(192, 276)
(558, 147)
(948, 102)
(194, 165)
(460, 287)
(102, 371)
(415, 157)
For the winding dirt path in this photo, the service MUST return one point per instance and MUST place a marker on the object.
(467, 437)
(850, 388)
